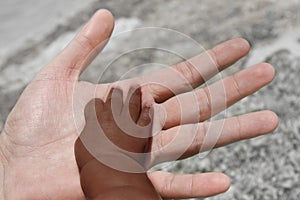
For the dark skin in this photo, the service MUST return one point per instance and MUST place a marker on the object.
(98, 180)
(37, 142)
(127, 185)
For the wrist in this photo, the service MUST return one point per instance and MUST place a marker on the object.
(99, 181)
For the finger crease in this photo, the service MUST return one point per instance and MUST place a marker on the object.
(236, 85)
(191, 185)
(86, 43)
(168, 187)
(187, 70)
(239, 127)
(208, 101)
(198, 142)
(214, 57)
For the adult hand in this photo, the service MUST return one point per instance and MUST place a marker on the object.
(37, 142)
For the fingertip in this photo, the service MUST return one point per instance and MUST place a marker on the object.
(271, 120)
(262, 73)
(266, 71)
(230, 51)
(243, 45)
(221, 182)
(225, 182)
(104, 11)
(103, 19)
(264, 122)
(107, 15)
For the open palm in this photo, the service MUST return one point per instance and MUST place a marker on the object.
(37, 142)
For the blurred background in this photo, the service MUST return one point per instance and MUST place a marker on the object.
(33, 32)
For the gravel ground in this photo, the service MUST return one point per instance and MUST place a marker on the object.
(264, 168)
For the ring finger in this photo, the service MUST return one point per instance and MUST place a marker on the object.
(203, 103)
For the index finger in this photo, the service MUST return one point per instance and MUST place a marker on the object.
(191, 73)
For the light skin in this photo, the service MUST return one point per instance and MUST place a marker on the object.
(37, 142)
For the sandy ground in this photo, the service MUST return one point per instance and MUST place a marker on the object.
(264, 168)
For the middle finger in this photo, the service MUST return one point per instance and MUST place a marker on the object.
(203, 103)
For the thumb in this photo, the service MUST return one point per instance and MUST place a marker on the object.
(84, 47)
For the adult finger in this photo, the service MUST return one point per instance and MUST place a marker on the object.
(203, 103)
(170, 185)
(83, 48)
(187, 140)
(191, 73)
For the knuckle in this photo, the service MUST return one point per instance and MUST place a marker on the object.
(84, 42)
(206, 99)
(236, 86)
(188, 71)
(213, 54)
(239, 128)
